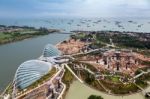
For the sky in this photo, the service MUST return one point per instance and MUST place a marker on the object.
(74, 8)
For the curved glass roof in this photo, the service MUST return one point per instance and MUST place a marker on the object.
(30, 71)
(50, 51)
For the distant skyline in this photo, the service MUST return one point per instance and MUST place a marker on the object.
(74, 8)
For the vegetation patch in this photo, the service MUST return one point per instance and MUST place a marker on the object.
(95, 97)
(15, 33)
(67, 78)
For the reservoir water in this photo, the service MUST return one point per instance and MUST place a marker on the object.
(80, 91)
(13, 54)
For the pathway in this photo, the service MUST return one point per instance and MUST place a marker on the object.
(73, 73)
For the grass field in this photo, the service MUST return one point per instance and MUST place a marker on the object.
(4, 36)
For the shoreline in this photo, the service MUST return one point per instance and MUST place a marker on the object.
(35, 37)
(13, 33)
(23, 38)
(118, 95)
(97, 92)
(112, 31)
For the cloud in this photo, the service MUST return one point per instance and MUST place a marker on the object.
(76, 8)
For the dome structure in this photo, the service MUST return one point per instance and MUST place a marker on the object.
(51, 51)
(29, 72)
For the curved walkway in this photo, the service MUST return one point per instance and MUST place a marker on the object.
(64, 89)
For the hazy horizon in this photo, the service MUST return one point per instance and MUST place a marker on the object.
(74, 8)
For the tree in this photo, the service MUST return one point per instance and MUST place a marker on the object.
(95, 97)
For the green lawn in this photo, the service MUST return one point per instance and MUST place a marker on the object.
(27, 31)
(115, 79)
(68, 77)
(3, 36)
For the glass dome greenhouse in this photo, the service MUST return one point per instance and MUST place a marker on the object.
(50, 51)
(29, 72)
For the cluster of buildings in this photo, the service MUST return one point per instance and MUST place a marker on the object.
(124, 61)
